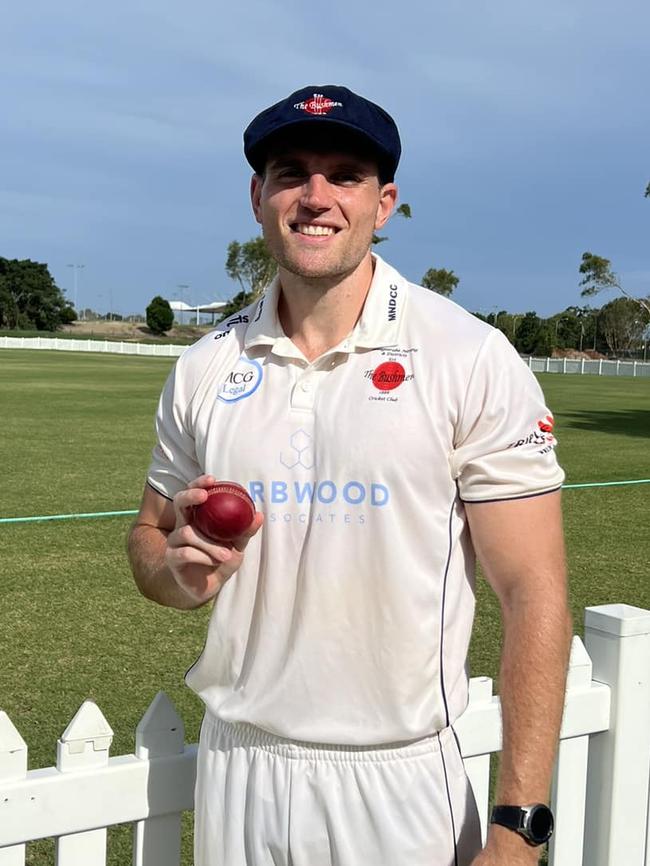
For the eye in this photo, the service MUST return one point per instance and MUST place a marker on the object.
(290, 173)
(346, 178)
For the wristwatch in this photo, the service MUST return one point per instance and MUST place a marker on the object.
(534, 822)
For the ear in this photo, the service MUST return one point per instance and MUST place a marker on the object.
(256, 195)
(387, 201)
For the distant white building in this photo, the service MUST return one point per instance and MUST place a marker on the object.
(212, 308)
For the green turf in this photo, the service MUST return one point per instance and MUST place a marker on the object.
(76, 436)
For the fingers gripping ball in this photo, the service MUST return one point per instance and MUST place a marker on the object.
(227, 512)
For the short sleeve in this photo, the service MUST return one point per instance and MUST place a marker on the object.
(173, 462)
(505, 447)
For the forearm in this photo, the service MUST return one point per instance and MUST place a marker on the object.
(532, 681)
(146, 548)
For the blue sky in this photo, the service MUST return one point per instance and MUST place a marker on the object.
(524, 127)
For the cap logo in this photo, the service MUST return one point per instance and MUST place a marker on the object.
(318, 104)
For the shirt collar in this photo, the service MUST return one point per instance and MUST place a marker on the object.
(378, 324)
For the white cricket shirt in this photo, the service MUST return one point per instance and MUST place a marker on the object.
(350, 618)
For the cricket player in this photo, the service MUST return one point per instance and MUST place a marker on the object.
(387, 438)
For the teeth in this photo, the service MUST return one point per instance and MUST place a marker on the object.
(314, 230)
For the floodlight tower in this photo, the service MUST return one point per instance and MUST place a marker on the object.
(75, 270)
(182, 287)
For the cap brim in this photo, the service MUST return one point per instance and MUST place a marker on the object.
(351, 134)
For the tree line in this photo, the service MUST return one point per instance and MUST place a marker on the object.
(30, 299)
(617, 328)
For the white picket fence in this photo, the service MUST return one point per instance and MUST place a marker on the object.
(163, 350)
(598, 367)
(537, 365)
(600, 790)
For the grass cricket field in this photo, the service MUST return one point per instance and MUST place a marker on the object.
(77, 431)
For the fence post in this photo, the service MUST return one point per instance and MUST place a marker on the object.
(478, 766)
(564, 365)
(569, 787)
(84, 744)
(617, 637)
(13, 767)
(548, 365)
(634, 370)
(157, 840)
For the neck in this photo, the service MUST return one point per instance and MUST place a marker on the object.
(316, 314)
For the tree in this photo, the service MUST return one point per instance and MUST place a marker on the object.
(252, 265)
(29, 297)
(440, 280)
(404, 210)
(527, 333)
(545, 340)
(160, 317)
(623, 324)
(598, 275)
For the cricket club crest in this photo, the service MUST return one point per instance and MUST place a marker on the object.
(318, 104)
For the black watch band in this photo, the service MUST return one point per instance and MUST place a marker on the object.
(533, 822)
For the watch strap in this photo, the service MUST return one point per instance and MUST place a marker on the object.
(508, 816)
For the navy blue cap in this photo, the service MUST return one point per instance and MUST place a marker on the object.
(326, 107)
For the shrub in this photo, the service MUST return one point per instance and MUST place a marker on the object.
(160, 316)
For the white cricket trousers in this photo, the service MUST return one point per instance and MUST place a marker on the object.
(262, 800)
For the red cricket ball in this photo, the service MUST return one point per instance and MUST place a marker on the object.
(226, 513)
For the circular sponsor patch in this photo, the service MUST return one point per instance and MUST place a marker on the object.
(388, 376)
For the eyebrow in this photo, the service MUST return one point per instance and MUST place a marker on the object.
(346, 163)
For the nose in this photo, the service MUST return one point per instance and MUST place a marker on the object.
(316, 193)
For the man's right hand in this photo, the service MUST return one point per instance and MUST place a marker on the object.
(200, 566)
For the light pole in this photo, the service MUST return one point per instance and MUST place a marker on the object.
(514, 326)
(75, 269)
(182, 287)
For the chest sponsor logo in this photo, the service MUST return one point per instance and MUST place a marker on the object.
(241, 382)
(302, 496)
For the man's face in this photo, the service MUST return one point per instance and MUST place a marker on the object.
(318, 211)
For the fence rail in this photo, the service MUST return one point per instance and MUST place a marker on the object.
(600, 787)
(166, 350)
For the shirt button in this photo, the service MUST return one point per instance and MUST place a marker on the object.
(305, 386)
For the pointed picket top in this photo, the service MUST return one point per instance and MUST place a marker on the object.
(580, 667)
(13, 751)
(86, 741)
(161, 730)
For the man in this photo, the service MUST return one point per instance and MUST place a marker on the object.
(385, 436)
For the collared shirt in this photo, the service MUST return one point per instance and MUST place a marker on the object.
(350, 618)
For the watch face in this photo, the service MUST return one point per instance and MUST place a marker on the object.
(540, 824)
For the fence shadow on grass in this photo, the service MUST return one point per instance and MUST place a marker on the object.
(632, 422)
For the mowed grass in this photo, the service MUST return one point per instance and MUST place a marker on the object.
(77, 431)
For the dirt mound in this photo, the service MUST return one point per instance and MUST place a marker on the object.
(574, 354)
(134, 331)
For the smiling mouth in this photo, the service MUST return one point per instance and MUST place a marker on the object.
(313, 231)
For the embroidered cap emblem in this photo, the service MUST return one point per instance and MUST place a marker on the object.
(318, 104)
